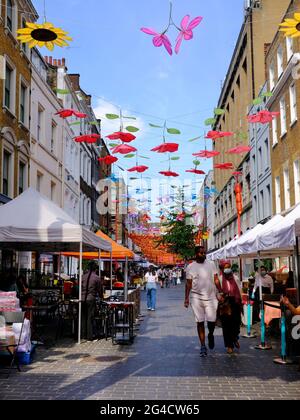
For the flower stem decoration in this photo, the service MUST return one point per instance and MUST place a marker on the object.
(43, 35)
(185, 32)
(291, 27)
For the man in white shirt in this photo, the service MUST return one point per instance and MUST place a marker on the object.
(202, 283)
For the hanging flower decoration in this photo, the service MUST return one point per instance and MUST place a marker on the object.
(291, 27)
(120, 135)
(185, 32)
(224, 166)
(166, 147)
(239, 150)
(65, 113)
(196, 171)
(139, 169)
(89, 138)
(214, 135)
(181, 217)
(108, 160)
(237, 173)
(263, 117)
(43, 35)
(123, 149)
(206, 154)
(169, 174)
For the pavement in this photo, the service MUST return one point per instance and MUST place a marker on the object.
(162, 364)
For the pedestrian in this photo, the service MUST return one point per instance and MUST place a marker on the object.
(202, 282)
(174, 277)
(151, 286)
(178, 276)
(230, 309)
(91, 288)
(161, 275)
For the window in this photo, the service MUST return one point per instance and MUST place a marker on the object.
(22, 177)
(8, 87)
(272, 76)
(287, 197)
(293, 103)
(268, 202)
(280, 61)
(53, 187)
(22, 103)
(259, 161)
(39, 180)
(40, 123)
(23, 44)
(274, 131)
(277, 195)
(289, 48)
(266, 153)
(283, 116)
(297, 181)
(53, 137)
(6, 173)
(262, 206)
(9, 14)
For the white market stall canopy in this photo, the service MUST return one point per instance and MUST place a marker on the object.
(31, 222)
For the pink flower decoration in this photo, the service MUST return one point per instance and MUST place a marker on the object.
(196, 171)
(187, 30)
(124, 149)
(206, 154)
(214, 135)
(88, 138)
(169, 173)
(124, 137)
(224, 166)
(263, 117)
(108, 160)
(159, 39)
(65, 113)
(239, 150)
(139, 169)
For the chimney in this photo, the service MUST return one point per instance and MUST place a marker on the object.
(55, 62)
(59, 63)
(50, 60)
(63, 62)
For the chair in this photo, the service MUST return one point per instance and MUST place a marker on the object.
(10, 319)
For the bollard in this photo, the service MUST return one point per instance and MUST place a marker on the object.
(249, 319)
(263, 345)
(282, 360)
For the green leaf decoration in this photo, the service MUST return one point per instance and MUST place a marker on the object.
(175, 158)
(173, 131)
(219, 111)
(131, 155)
(210, 121)
(144, 157)
(112, 116)
(267, 95)
(132, 129)
(196, 138)
(94, 123)
(243, 135)
(113, 144)
(155, 126)
(196, 162)
(130, 118)
(62, 91)
(75, 123)
(257, 101)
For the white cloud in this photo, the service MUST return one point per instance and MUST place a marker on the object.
(162, 75)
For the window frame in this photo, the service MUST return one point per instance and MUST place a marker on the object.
(293, 103)
(283, 116)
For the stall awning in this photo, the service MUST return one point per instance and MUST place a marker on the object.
(119, 252)
(31, 222)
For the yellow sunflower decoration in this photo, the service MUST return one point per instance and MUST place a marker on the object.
(291, 27)
(43, 35)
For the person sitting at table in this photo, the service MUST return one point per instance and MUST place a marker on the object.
(23, 289)
(91, 289)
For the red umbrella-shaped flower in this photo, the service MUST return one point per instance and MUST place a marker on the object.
(65, 113)
(196, 171)
(224, 166)
(139, 169)
(124, 137)
(239, 150)
(169, 173)
(206, 154)
(108, 160)
(263, 117)
(166, 147)
(88, 138)
(237, 173)
(124, 149)
(214, 135)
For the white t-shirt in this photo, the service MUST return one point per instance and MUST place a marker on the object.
(202, 276)
(266, 281)
(151, 278)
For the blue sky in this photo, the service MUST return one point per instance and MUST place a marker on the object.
(118, 62)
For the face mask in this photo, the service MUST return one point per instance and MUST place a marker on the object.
(227, 271)
(201, 259)
(264, 273)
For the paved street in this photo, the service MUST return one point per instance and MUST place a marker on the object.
(163, 363)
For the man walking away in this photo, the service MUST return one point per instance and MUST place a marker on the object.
(201, 283)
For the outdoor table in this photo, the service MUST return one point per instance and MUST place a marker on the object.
(122, 321)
